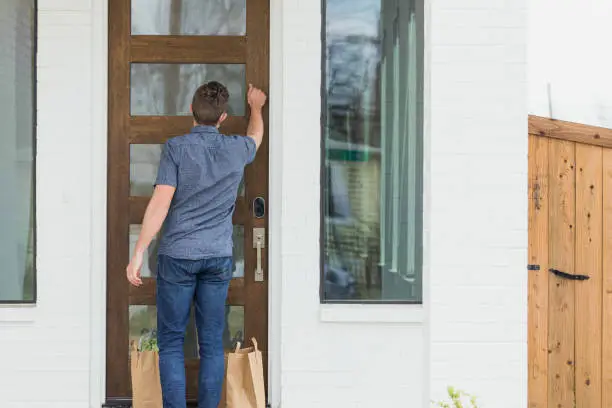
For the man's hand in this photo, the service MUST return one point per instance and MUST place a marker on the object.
(133, 269)
(154, 217)
(256, 97)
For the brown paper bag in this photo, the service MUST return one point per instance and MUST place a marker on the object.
(244, 378)
(146, 385)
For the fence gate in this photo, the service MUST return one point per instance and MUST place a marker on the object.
(570, 265)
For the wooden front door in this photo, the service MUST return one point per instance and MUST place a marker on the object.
(160, 51)
(570, 271)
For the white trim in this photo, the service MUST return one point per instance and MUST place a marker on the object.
(426, 281)
(275, 198)
(364, 313)
(97, 329)
(18, 313)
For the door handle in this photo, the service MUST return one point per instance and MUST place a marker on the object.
(259, 243)
(569, 276)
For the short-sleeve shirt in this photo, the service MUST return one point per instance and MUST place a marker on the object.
(206, 168)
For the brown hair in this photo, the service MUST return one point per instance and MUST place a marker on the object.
(209, 103)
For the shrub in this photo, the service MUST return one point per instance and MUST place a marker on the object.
(458, 399)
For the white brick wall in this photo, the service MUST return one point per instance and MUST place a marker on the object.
(328, 358)
(45, 350)
(478, 211)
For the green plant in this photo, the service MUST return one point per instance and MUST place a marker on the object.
(149, 345)
(458, 399)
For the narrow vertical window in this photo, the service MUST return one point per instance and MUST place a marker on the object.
(372, 127)
(17, 152)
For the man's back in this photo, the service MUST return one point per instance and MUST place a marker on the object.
(206, 168)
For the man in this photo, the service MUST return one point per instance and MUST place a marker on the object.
(194, 196)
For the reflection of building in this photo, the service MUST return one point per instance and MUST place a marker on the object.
(372, 110)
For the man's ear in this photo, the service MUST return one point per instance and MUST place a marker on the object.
(190, 108)
(222, 119)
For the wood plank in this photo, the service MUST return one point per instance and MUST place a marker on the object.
(569, 131)
(561, 376)
(117, 367)
(256, 177)
(185, 49)
(607, 281)
(145, 295)
(588, 262)
(158, 129)
(538, 279)
(138, 206)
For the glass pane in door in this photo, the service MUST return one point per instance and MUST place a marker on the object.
(144, 162)
(149, 267)
(188, 17)
(143, 326)
(167, 89)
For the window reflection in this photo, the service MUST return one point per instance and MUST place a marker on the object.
(17, 164)
(167, 89)
(188, 17)
(143, 326)
(144, 162)
(149, 264)
(372, 192)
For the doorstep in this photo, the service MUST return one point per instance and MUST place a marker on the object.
(128, 404)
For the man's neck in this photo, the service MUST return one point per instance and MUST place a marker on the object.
(197, 124)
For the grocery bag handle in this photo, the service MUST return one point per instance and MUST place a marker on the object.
(255, 346)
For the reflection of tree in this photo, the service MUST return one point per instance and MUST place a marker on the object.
(197, 17)
(28, 278)
(166, 89)
(353, 118)
(353, 112)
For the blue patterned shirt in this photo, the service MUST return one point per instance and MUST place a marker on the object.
(206, 168)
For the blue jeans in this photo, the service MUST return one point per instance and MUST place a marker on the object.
(179, 282)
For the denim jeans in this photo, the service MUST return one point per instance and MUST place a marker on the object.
(179, 282)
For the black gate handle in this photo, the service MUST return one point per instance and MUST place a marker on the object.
(569, 276)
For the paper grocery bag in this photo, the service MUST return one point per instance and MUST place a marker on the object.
(146, 385)
(244, 378)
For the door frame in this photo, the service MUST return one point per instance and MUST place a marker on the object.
(99, 179)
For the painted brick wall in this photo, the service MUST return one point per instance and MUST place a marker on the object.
(478, 210)
(476, 213)
(45, 350)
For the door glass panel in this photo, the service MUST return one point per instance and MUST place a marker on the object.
(188, 17)
(167, 89)
(234, 326)
(238, 237)
(144, 162)
(149, 266)
(241, 188)
(143, 326)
